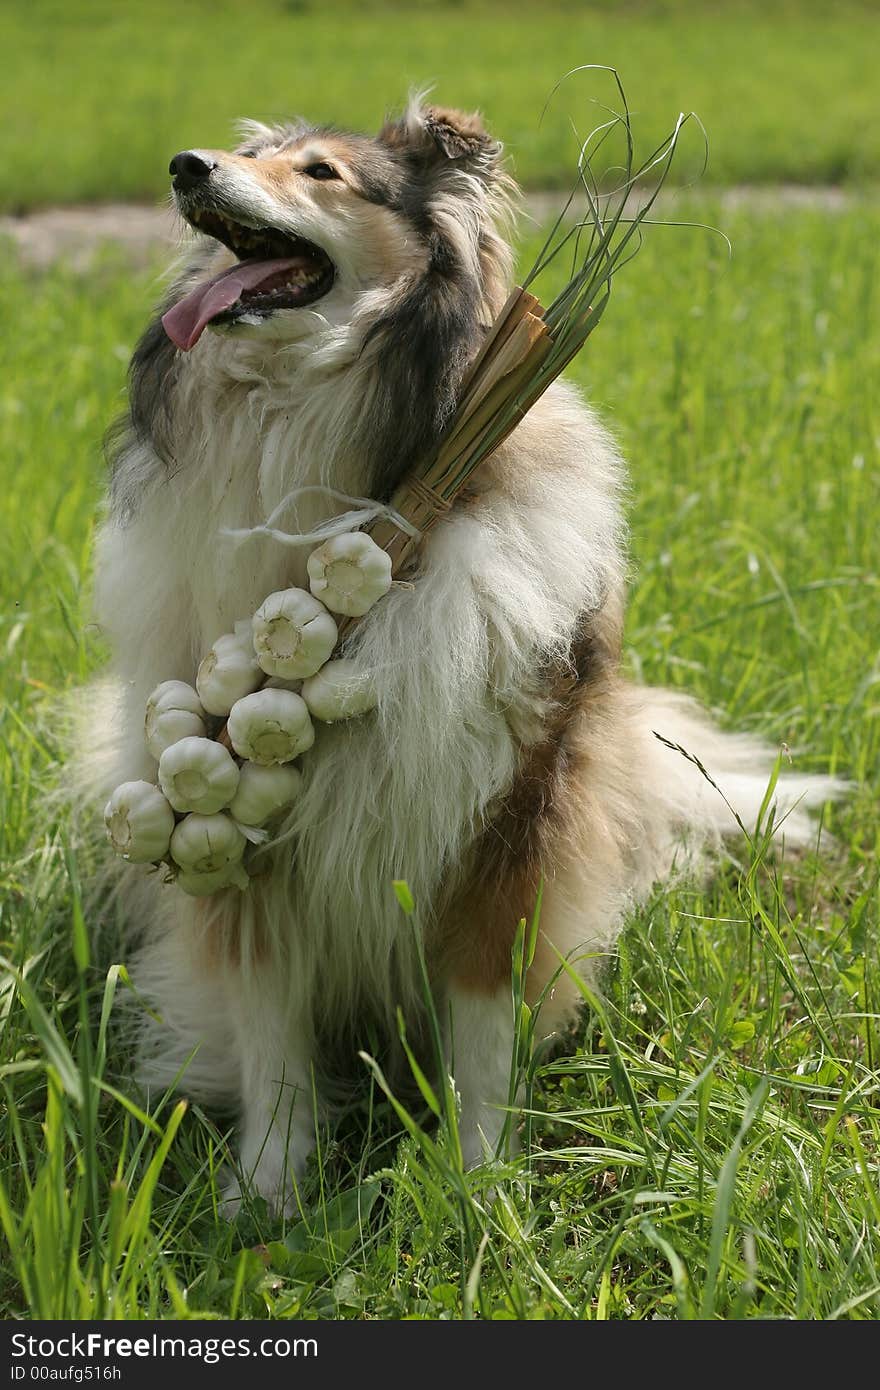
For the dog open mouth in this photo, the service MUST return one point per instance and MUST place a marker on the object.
(274, 271)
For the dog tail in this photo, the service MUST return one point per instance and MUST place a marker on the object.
(702, 786)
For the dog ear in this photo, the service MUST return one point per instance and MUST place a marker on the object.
(458, 134)
(439, 136)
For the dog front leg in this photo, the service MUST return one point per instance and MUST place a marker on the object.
(278, 1119)
(481, 1041)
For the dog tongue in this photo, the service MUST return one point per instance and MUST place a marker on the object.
(185, 322)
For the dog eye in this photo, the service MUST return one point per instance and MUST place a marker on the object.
(247, 154)
(320, 171)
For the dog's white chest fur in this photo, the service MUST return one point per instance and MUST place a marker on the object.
(402, 792)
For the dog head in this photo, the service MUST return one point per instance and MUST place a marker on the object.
(303, 217)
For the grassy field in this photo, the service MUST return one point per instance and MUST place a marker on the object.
(709, 1143)
(784, 89)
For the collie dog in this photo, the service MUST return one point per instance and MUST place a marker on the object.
(313, 341)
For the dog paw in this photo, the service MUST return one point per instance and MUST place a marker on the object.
(230, 1196)
(480, 1135)
(236, 1197)
(272, 1176)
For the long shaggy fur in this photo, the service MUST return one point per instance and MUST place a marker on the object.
(505, 749)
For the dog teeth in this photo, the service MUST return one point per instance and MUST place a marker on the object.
(263, 245)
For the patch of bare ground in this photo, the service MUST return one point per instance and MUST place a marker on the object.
(76, 234)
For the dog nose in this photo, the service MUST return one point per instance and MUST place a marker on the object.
(190, 168)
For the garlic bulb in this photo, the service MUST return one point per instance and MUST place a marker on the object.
(206, 844)
(270, 726)
(340, 690)
(174, 711)
(229, 671)
(202, 885)
(349, 573)
(293, 634)
(139, 822)
(198, 774)
(263, 792)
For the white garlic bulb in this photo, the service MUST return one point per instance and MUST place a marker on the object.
(206, 844)
(174, 711)
(340, 690)
(203, 885)
(349, 573)
(139, 822)
(263, 792)
(229, 671)
(270, 726)
(198, 774)
(293, 634)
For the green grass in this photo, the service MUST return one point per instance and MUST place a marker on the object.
(784, 89)
(709, 1143)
